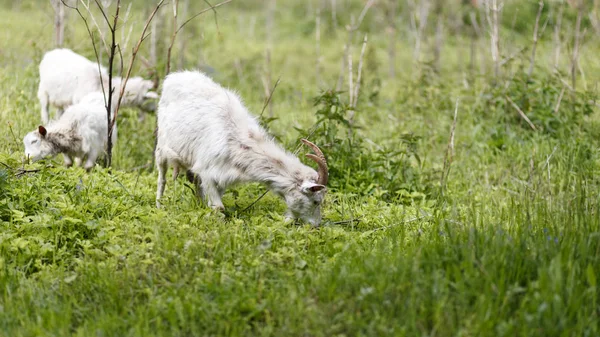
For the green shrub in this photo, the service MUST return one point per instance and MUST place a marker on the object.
(392, 172)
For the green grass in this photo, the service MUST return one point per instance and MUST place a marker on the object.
(510, 248)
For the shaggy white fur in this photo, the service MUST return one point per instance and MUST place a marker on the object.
(66, 77)
(205, 128)
(80, 133)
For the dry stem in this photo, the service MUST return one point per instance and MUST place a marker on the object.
(173, 36)
(562, 92)
(130, 67)
(521, 113)
(492, 19)
(535, 39)
(575, 57)
(318, 45)
(359, 76)
(352, 28)
(449, 156)
(177, 29)
(557, 41)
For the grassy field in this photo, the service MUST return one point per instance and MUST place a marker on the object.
(497, 235)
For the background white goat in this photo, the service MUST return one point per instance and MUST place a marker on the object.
(205, 128)
(66, 77)
(81, 132)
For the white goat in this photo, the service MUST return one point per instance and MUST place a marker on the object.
(205, 128)
(80, 132)
(66, 77)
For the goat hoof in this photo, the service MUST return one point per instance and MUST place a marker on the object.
(218, 208)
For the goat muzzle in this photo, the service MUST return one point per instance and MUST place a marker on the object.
(319, 158)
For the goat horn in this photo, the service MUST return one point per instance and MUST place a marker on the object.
(319, 158)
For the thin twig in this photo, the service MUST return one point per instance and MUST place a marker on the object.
(575, 57)
(318, 45)
(254, 202)
(547, 164)
(562, 92)
(215, 15)
(566, 84)
(358, 78)
(352, 28)
(12, 132)
(521, 113)
(392, 30)
(130, 67)
(173, 36)
(21, 172)
(535, 39)
(494, 34)
(91, 35)
(512, 56)
(268, 100)
(557, 36)
(111, 60)
(343, 222)
(202, 12)
(102, 38)
(449, 150)
(350, 81)
(176, 28)
(103, 12)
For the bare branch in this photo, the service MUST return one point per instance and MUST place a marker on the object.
(318, 45)
(350, 80)
(352, 28)
(495, 37)
(111, 60)
(449, 150)
(104, 13)
(363, 13)
(358, 78)
(215, 15)
(557, 36)
(59, 22)
(102, 38)
(268, 100)
(562, 92)
(177, 29)
(202, 12)
(173, 36)
(133, 56)
(521, 113)
(575, 58)
(91, 35)
(535, 39)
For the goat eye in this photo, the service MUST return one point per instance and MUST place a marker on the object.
(34, 141)
(315, 203)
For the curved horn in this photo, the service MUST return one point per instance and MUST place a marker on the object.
(319, 158)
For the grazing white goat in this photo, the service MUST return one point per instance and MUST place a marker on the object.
(205, 128)
(79, 133)
(66, 77)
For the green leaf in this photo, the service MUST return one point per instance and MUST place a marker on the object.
(591, 275)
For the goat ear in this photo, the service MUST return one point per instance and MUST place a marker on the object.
(313, 188)
(42, 130)
(316, 188)
(151, 94)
